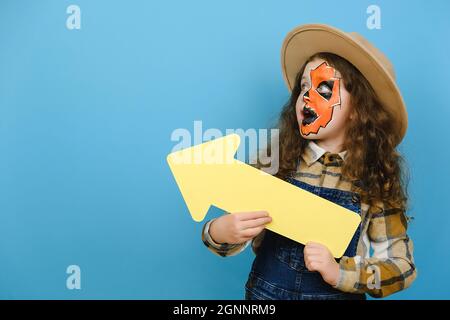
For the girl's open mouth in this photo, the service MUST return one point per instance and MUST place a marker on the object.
(309, 116)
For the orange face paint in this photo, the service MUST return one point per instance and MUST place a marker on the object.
(320, 99)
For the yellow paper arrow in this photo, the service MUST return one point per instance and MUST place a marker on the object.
(207, 174)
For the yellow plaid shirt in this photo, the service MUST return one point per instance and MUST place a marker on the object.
(387, 269)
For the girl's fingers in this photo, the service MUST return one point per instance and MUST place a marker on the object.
(313, 266)
(255, 222)
(251, 215)
(314, 245)
(313, 255)
(312, 250)
(251, 232)
(313, 259)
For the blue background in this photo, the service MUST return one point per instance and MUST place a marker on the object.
(86, 117)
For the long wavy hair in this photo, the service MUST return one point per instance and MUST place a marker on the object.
(376, 169)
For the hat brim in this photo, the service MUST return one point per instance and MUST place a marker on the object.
(306, 40)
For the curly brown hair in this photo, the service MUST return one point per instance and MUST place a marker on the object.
(373, 165)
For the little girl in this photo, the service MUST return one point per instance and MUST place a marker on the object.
(338, 137)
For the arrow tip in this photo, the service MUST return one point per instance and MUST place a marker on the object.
(194, 170)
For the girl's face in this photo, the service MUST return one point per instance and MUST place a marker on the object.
(323, 105)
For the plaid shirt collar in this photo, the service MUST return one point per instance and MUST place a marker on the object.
(313, 153)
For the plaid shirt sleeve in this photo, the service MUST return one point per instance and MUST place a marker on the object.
(221, 249)
(391, 267)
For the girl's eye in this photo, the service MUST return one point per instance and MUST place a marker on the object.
(325, 89)
(304, 86)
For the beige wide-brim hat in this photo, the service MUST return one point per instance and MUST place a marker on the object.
(306, 40)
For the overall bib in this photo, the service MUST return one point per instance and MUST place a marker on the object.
(279, 272)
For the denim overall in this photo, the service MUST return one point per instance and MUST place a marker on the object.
(279, 272)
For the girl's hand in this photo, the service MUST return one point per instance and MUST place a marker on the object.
(236, 228)
(319, 258)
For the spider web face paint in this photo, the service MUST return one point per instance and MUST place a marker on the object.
(320, 99)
